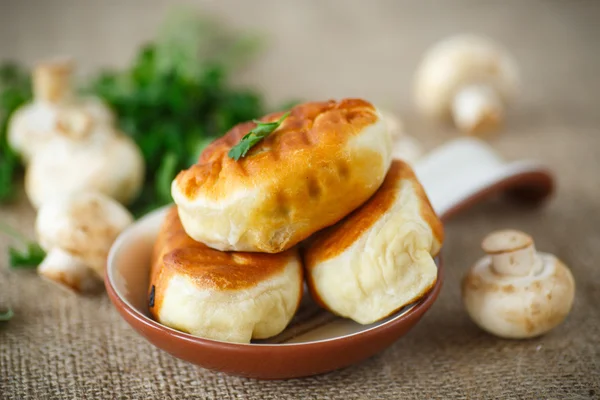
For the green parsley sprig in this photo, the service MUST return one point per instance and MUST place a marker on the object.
(29, 256)
(261, 131)
(6, 314)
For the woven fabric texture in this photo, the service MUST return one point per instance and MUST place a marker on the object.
(60, 346)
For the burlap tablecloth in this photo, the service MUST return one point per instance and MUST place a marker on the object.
(59, 346)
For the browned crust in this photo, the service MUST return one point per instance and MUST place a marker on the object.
(310, 177)
(332, 241)
(175, 253)
(315, 125)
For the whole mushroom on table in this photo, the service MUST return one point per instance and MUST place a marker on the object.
(470, 78)
(77, 232)
(85, 156)
(34, 124)
(79, 167)
(516, 292)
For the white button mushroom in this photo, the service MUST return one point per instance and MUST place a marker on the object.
(77, 233)
(516, 292)
(469, 77)
(85, 157)
(35, 123)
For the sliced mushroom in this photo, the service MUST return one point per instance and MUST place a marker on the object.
(516, 292)
(77, 233)
(469, 77)
(34, 124)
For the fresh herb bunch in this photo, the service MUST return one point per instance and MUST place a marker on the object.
(15, 90)
(173, 101)
(176, 98)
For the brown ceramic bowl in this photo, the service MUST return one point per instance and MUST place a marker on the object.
(315, 341)
(455, 176)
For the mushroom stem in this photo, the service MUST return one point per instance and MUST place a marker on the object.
(51, 80)
(513, 253)
(517, 263)
(69, 271)
(477, 109)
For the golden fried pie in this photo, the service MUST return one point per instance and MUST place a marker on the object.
(230, 297)
(379, 258)
(324, 160)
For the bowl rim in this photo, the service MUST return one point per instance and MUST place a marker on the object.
(125, 307)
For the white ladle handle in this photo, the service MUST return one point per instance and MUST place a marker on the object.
(465, 170)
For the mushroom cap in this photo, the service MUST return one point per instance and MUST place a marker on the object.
(32, 126)
(69, 272)
(75, 123)
(102, 161)
(505, 241)
(519, 307)
(83, 225)
(29, 128)
(459, 61)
